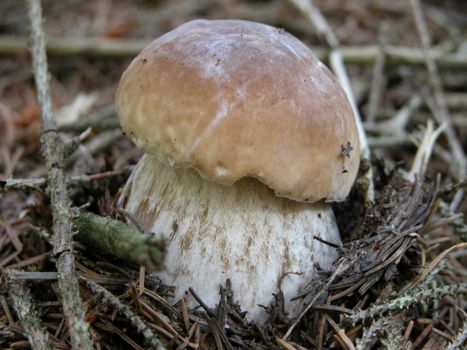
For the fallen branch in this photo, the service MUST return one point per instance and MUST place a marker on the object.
(52, 150)
(337, 65)
(440, 111)
(362, 55)
(118, 239)
(107, 236)
(420, 295)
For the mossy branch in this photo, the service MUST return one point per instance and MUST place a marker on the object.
(118, 239)
(420, 295)
(28, 316)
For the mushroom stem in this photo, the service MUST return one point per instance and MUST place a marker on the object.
(243, 232)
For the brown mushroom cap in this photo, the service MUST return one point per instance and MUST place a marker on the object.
(234, 98)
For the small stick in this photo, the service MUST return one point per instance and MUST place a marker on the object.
(459, 339)
(334, 245)
(397, 124)
(32, 275)
(125, 310)
(98, 47)
(441, 110)
(94, 145)
(378, 81)
(424, 151)
(342, 267)
(201, 302)
(407, 299)
(426, 271)
(118, 239)
(100, 124)
(337, 65)
(340, 333)
(30, 321)
(141, 279)
(408, 331)
(40, 183)
(52, 149)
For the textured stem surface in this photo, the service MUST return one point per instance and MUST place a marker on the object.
(243, 232)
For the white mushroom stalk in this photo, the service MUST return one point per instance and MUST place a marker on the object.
(263, 243)
(247, 135)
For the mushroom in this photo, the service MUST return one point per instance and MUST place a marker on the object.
(247, 137)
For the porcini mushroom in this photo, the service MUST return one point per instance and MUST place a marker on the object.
(247, 136)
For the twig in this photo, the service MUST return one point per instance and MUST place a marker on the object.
(342, 267)
(441, 110)
(407, 332)
(72, 144)
(337, 65)
(424, 151)
(460, 339)
(99, 124)
(396, 125)
(331, 244)
(125, 310)
(23, 184)
(399, 55)
(378, 81)
(317, 19)
(456, 100)
(406, 300)
(392, 141)
(116, 238)
(362, 55)
(77, 46)
(422, 336)
(392, 328)
(52, 148)
(32, 275)
(426, 271)
(40, 183)
(94, 145)
(201, 303)
(340, 333)
(28, 316)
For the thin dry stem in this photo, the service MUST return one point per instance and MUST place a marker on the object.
(420, 295)
(30, 320)
(441, 111)
(97, 47)
(459, 339)
(341, 268)
(135, 320)
(337, 64)
(52, 150)
(378, 81)
(424, 151)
